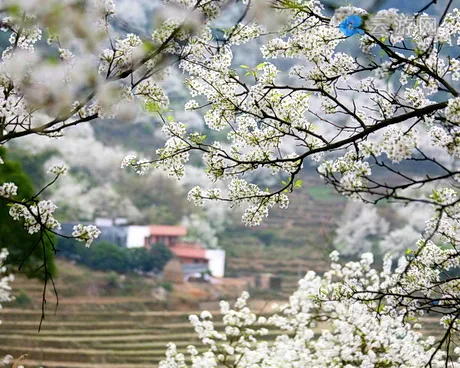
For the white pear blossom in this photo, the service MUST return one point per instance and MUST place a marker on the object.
(351, 334)
(35, 216)
(86, 233)
(8, 190)
(59, 169)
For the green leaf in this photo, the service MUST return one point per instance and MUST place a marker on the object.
(147, 46)
(260, 66)
(298, 183)
(14, 10)
(244, 66)
(53, 60)
(151, 107)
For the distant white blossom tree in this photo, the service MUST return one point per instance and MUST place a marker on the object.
(200, 230)
(362, 228)
(359, 228)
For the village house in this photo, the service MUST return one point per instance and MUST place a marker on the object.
(193, 257)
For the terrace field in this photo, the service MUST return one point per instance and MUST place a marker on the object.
(103, 339)
(110, 331)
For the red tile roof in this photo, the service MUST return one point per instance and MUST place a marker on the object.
(189, 252)
(165, 230)
(188, 244)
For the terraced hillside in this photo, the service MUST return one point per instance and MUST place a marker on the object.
(101, 339)
(94, 331)
(99, 324)
(288, 242)
(260, 261)
(103, 331)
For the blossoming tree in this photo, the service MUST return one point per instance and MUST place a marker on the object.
(353, 334)
(359, 113)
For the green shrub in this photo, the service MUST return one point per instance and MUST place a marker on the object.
(23, 300)
(113, 280)
(106, 256)
(167, 286)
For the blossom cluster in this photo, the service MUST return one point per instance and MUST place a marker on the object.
(85, 233)
(316, 328)
(38, 215)
(8, 190)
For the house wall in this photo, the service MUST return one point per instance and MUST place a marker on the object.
(113, 234)
(136, 236)
(216, 259)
